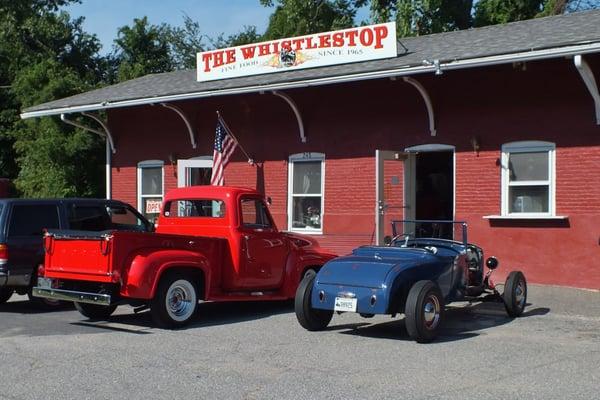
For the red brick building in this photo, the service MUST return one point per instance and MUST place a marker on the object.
(496, 126)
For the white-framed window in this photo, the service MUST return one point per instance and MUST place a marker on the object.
(528, 179)
(306, 185)
(150, 187)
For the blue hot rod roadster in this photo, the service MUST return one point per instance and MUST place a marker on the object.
(413, 274)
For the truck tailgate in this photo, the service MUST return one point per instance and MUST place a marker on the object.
(78, 255)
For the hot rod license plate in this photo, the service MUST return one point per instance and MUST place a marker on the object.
(344, 304)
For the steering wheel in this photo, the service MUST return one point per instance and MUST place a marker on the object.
(406, 237)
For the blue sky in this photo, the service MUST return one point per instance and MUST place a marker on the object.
(104, 17)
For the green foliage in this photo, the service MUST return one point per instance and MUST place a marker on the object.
(44, 55)
(142, 49)
(491, 12)
(422, 17)
(185, 42)
(302, 17)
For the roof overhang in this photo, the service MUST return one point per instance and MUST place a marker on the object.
(533, 55)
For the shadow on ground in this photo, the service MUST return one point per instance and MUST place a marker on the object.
(208, 314)
(33, 307)
(460, 322)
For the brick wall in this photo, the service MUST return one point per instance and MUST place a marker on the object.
(546, 101)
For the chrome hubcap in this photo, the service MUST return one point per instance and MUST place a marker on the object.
(181, 300)
(431, 312)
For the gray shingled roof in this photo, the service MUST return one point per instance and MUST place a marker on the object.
(450, 47)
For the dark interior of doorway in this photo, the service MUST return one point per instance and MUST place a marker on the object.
(435, 192)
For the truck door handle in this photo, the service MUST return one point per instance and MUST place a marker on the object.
(247, 245)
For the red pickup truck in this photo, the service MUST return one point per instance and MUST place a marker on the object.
(211, 243)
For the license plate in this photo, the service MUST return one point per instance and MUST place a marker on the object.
(344, 304)
(44, 283)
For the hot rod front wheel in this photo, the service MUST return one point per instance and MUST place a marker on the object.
(424, 311)
(515, 293)
(310, 318)
(175, 301)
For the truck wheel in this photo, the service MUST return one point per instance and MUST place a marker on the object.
(5, 294)
(95, 311)
(42, 303)
(515, 293)
(424, 311)
(175, 301)
(310, 318)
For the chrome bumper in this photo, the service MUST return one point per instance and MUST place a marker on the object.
(70, 295)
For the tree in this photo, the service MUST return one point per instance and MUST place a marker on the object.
(142, 49)
(302, 17)
(423, 17)
(491, 12)
(185, 42)
(45, 55)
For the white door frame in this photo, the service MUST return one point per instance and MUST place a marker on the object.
(196, 162)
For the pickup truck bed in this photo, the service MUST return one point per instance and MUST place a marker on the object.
(111, 259)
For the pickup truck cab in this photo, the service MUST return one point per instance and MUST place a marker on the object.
(211, 243)
(22, 224)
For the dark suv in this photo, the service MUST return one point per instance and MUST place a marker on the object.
(23, 221)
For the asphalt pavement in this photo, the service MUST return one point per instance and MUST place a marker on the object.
(259, 351)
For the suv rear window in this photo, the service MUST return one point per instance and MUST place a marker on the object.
(89, 218)
(31, 220)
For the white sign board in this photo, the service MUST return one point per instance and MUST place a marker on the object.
(338, 47)
(153, 206)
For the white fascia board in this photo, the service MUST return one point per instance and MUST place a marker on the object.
(532, 55)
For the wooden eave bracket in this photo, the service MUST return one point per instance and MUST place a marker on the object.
(590, 82)
(185, 120)
(295, 109)
(427, 101)
(105, 133)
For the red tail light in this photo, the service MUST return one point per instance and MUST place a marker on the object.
(41, 270)
(3, 254)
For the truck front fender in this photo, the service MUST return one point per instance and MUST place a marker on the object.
(144, 273)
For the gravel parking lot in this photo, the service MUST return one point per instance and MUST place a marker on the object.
(258, 351)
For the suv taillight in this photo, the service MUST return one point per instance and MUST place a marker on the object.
(3, 254)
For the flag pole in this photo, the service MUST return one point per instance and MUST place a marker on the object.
(250, 160)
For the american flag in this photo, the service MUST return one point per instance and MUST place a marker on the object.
(224, 146)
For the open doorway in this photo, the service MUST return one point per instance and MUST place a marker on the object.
(434, 191)
(194, 171)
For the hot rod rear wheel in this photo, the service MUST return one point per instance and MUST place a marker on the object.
(175, 302)
(310, 318)
(424, 311)
(515, 293)
(95, 311)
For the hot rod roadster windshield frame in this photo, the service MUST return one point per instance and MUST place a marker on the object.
(402, 232)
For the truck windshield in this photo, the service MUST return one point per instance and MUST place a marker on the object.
(207, 208)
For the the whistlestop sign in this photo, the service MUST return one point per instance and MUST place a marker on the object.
(338, 47)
